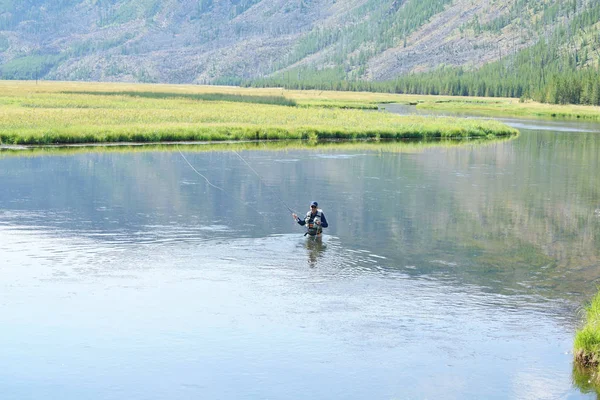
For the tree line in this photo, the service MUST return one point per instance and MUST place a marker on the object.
(562, 68)
(558, 87)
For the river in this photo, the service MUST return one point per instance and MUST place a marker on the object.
(454, 272)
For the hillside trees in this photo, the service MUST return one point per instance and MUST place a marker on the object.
(372, 28)
(563, 67)
(13, 12)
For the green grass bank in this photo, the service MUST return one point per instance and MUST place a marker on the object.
(587, 339)
(69, 112)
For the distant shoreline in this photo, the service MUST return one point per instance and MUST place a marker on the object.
(514, 108)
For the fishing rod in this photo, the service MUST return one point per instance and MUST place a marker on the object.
(263, 182)
(217, 187)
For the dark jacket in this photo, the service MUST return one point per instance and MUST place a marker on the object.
(324, 223)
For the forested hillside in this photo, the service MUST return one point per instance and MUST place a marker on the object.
(561, 66)
(540, 49)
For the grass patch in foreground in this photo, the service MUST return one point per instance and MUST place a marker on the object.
(587, 339)
(586, 347)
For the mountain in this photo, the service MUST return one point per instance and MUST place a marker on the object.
(304, 43)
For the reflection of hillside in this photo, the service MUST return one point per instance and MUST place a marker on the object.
(550, 203)
(521, 212)
(513, 216)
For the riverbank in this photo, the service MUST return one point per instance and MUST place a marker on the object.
(379, 146)
(586, 348)
(69, 112)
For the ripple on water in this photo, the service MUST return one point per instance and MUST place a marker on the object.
(322, 297)
(338, 156)
(350, 299)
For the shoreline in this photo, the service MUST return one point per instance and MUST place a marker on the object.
(586, 346)
(382, 146)
(244, 135)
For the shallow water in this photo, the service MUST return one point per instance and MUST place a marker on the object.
(449, 272)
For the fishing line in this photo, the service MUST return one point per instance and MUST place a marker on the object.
(192, 167)
(263, 182)
(215, 186)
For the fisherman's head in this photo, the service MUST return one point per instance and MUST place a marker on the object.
(313, 206)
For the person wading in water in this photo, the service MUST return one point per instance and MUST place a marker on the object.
(315, 220)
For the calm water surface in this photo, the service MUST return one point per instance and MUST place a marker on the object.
(447, 272)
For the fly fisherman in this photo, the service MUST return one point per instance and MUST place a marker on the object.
(315, 220)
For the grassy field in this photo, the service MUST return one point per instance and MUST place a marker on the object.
(69, 112)
(511, 107)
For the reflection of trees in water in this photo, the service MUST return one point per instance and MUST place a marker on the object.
(315, 247)
(515, 216)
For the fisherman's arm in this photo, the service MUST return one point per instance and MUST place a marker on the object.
(298, 220)
(324, 223)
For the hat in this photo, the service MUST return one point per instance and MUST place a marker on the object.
(314, 203)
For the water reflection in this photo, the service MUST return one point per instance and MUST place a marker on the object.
(202, 312)
(323, 148)
(316, 248)
(514, 215)
(584, 378)
(463, 262)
